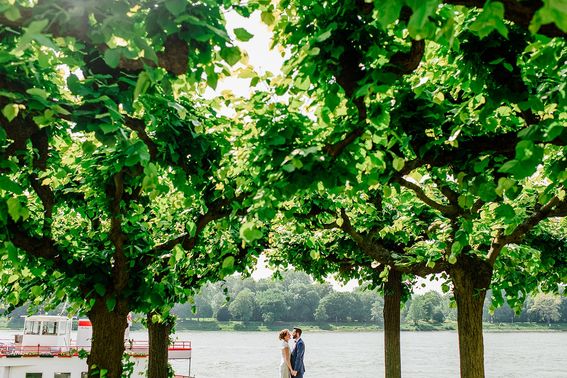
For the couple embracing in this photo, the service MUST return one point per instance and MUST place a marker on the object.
(292, 361)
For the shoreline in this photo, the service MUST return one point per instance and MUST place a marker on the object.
(210, 325)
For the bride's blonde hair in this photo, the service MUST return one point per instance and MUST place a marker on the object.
(283, 333)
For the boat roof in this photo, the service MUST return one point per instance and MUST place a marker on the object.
(46, 318)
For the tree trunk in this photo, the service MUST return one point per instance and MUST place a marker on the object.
(392, 302)
(159, 343)
(108, 338)
(471, 278)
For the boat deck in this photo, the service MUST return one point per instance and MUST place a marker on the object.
(177, 350)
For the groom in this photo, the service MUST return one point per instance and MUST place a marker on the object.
(297, 353)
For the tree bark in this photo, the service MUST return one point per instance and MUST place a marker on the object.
(392, 302)
(471, 278)
(159, 343)
(108, 338)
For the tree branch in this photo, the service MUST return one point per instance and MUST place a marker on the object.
(216, 211)
(449, 211)
(120, 266)
(550, 209)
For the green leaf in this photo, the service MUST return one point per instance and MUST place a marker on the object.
(456, 248)
(231, 55)
(243, 35)
(398, 163)
(302, 83)
(491, 18)
(111, 303)
(552, 11)
(15, 209)
(108, 128)
(9, 185)
(12, 13)
(465, 201)
(332, 100)
(10, 111)
(228, 262)
(45, 41)
(487, 192)
(131, 160)
(36, 291)
(509, 166)
(100, 289)
(191, 228)
(387, 11)
(88, 147)
(322, 37)
(112, 57)
(228, 265)
(249, 232)
(38, 92)
(36, 27)
(267, 18)
(525, 150)
(505, 211)
(504, 184)
(13, 278)
(420, 25)
(13, 298)
(176, 7)
(142, 84)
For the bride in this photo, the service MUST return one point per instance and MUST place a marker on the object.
(285, 365)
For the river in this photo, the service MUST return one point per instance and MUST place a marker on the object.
(360, 354)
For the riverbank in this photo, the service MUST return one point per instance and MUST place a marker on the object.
(215, 325)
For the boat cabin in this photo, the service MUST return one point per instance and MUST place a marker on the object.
(46, 331)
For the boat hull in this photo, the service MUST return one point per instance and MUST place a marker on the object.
(58, 367)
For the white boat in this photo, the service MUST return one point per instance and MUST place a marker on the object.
(46, 350)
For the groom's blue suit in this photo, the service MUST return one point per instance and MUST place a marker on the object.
(297, 358)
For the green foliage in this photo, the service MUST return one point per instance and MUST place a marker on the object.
(374, 150)
(552, 11)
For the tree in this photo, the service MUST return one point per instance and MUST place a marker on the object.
(303, 301)
(338, 307)
(450, 122)
(223, 314)
(377, 311)
(272, 304)
(243, 306)
(109, 170)
(426, 307)
(563, 309)
(545, 308)
(363, 313)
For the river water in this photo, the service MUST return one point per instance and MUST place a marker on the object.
(360, 354)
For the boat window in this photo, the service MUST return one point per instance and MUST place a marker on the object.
(32, 328)
(33, 375)
(62, 375)
(62, 328)
(49, 328)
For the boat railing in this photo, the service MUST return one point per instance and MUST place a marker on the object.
(132, 347)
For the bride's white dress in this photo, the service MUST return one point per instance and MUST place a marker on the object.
(284, 371)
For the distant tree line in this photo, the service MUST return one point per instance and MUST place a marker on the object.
(297, 298)
(294, 298)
